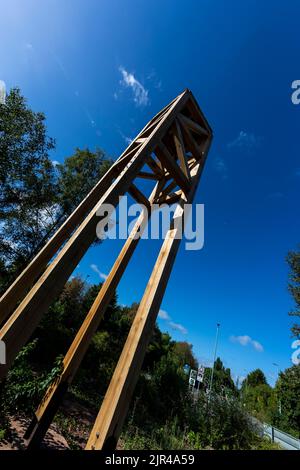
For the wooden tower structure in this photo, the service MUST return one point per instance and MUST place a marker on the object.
(170, 150)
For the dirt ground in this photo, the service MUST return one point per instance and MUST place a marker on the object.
(53, 439)
(70, 430)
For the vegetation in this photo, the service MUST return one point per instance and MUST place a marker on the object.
(293, 260)
(36, 195)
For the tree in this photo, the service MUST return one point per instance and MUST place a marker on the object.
(27, 180)
(35, 197)
(255, 378)
(288, 392)
(77, 176)
(293, 260)
(184, 352)
(222, 378)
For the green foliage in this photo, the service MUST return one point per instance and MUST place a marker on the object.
(258, 397)
(255, 378)
(78, 174)
(222, 380)
(288, 392)
(24, 388)
(293, 260)
(220, 425)
(35, 196)
(27, 180)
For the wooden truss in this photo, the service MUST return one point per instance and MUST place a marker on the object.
(170, 150)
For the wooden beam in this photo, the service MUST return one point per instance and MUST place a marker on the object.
(190, 140)
(147, 176)
(171, 198)
(139, 196)
(193, 125)
(165, 192)
(109, 421)
(169, 162)
(154, 166)
(34, 269)
(179, 145)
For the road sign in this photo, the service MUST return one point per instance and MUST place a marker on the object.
(200, 374)
(192, 382)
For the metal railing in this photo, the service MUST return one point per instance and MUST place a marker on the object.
(282, 438)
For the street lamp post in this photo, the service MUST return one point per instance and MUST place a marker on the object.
(214, 360)
(279, 401)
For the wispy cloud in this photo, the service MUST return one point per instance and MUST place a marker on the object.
(221, 167)
(139, 92)
(163, 315)
(246, 341)
(178, 327)
(245, 140)
(55, 162)
(95, 268)
(156, 82)
(126, 138)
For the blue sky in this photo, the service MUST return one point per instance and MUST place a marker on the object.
(100, 69)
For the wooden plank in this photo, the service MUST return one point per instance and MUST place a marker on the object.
(171, 198)
(146, 175)
(191, 142)
(34, 269)
(169, 162)
(108, 424)
(72, 360)
(193, 125)
(179, 145)
(165, 192)
(19, 327)
(139, 196)
(153, 165)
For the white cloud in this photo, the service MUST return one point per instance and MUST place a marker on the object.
(163, 315)
(2, 92)
(245, 140)
(55, 162)
(178, 327)
(140, 94)
(247, 340)
(95, 268)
